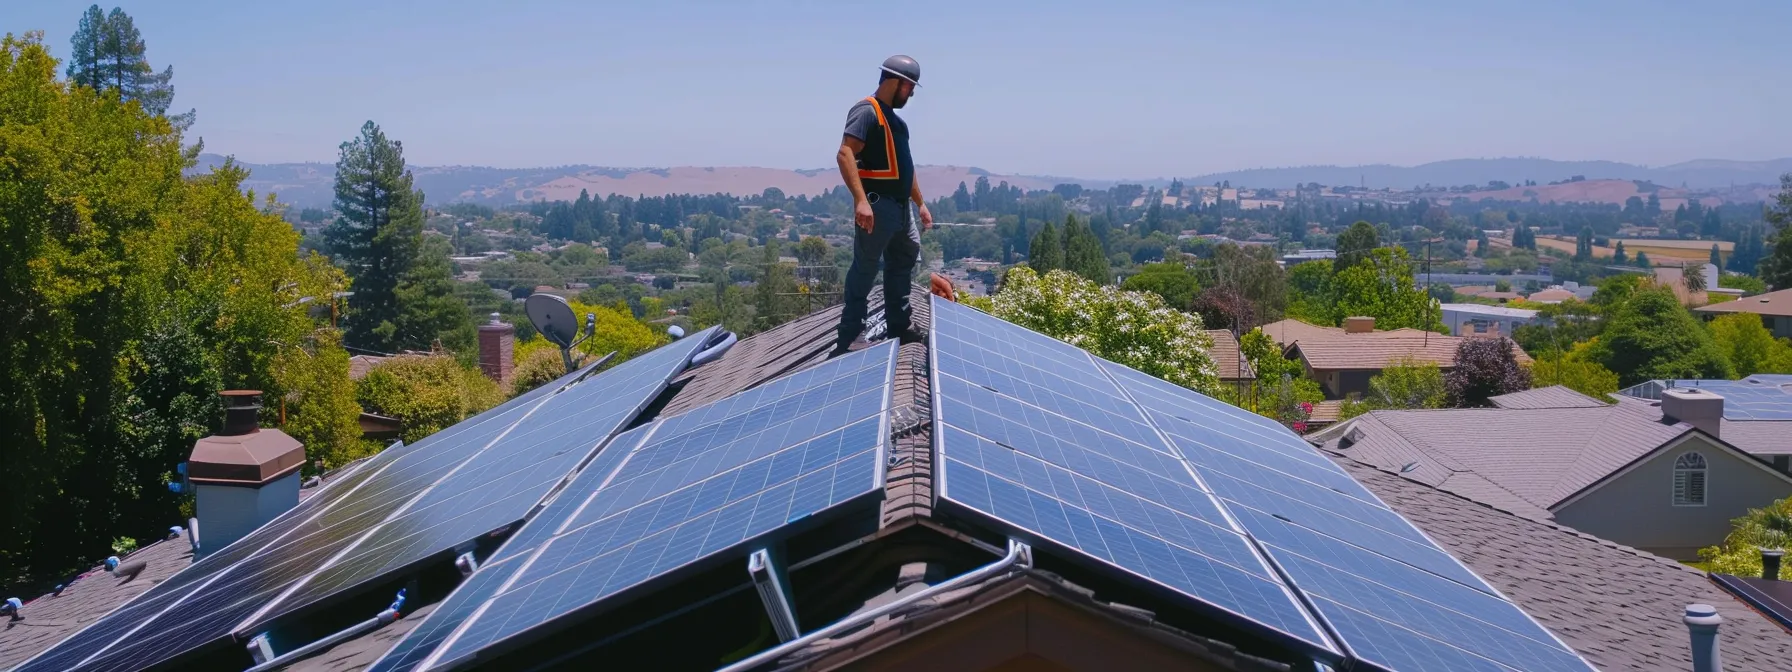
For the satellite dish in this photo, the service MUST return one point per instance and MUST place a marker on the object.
(553, 317)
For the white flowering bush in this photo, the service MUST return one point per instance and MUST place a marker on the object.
(1133, 328)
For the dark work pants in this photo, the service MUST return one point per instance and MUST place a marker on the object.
(897, 244)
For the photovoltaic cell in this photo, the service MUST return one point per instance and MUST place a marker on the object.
(244, 583)
(1078, 482)
(697, 485)
(475, 590)
(501, 483)
(1251, 499)
(1762, 396)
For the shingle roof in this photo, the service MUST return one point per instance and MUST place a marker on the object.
(1290, 330)
(1617, 606)
(1554, 396)
(1517, 459)
(1772, 303)
(1332, 349)
(50, 618)
(1226, 358)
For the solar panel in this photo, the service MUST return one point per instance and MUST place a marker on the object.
(243, 584)
(698, 485)
(422, 640)
(1224, 506)
(499, 485)
(1762, 396)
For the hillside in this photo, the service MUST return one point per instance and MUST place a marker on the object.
(311, 184)
(1700, 174)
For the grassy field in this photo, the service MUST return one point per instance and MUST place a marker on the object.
(1659, 251)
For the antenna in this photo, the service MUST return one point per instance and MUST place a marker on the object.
(553, 317)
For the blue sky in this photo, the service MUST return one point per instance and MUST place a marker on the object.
(1095, 90)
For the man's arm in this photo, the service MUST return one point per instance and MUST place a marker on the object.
(847, 157)
(914, 193)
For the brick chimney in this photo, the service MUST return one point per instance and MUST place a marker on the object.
(1700, 408)
(497, 345)
(1359, 325)
(244, 475)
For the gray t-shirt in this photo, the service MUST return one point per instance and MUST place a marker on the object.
(861, 121)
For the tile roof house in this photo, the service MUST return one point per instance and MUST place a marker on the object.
(912, 585)
(1775, 309)
(1227, 360)
(1757, 413)
(1343, 359)
(1663, 480)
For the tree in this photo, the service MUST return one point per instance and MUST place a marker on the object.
(1651, 336)
(1642, 260)
(321, 410)
(1717, 257)
(1310, 293)
(1776, 266)
(1693, 278)
(377, 238)
(1740, 554)
(108, 54)
(1082, 252)
(1583, 244)
(1749, 346)
(1405, 384)
(1045, 253)
(1485, 367)
(1131, 328)
(774, 299)
(1170, 280)
(1382, 287)
(427, 393)
(1354, 245)
(962, 198)
(1618, 253)
(1576, 372)
(1750, 285)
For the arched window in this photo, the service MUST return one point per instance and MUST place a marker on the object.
(1689, 480)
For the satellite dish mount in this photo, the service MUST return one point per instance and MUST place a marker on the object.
(553, 317)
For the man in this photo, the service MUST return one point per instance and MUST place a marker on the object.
(875, 163)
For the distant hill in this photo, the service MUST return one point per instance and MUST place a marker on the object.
(312, 184)
(1701, 174)
(1615, 192)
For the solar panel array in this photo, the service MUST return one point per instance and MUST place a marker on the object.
(402, 507)
(672, 495)
(1128, 472)
(1762, 396)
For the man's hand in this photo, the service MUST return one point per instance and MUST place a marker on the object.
(926, 218)
(861, 214)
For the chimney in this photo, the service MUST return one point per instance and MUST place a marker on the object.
(1703, 620)
(1359, 325)
(244, 475)
(1770, 563)
(497, 345)
(1693, 406)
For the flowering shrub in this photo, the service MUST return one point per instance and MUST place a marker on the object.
(1133, 328)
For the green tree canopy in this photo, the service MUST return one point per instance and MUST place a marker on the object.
(1170, 280)
(1740, 554)
(1382, 287)
(1082, 252)
(108, 54)
(1485, 367)
(1776, 267)
(1405, 384)
(1576, 371)
(1749, 346)
(1651, 336)
(377, 237)
(1354, 245)
(428, 393)
(1045, 253)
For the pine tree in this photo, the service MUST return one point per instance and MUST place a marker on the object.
(376, 237)
(1776, 266)
(1583, 244)
(1642, 260)
(1082, 252)
(1618, 253)
(1045, 253)
(108, 54)
(1717, 258)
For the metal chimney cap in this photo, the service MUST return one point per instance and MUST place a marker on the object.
(1702, 614)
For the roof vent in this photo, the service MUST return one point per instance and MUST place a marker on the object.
(1702, 621)
(1770, 563)
(242, 412)
(1408, 467)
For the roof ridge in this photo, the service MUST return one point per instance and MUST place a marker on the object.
(1558, 527)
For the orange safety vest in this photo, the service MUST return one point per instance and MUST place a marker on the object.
(892, 170)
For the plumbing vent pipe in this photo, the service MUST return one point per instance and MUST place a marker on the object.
(718, 347)
(1702, 622)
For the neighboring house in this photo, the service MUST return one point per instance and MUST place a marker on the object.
(1228, 362)
(1342, 360)
(1552, 295)
(901, 571)
(1662, 481)
(1502, 297)
(1465, 319)
(1757, 413)
(1775, 309)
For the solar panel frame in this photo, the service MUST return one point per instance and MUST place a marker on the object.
(519, 589)
(182, 591)
(657, 369)
(1320, 644)
(1524, 636)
